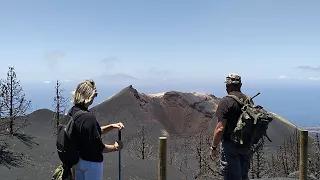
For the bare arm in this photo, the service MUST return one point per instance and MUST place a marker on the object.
(107, 128)
(111, 148)
(108, 148)
(218, 132)
(221, 114)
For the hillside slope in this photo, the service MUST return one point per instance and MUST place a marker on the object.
(178, 115)
(32, 155)
(176, 112)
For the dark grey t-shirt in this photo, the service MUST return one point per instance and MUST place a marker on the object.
(229, 109)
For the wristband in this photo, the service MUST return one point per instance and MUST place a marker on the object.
(213, 147)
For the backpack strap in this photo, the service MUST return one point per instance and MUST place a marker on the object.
(70, 126)
(236, 98)
(78, 114)
(249, 100)
(242, 103)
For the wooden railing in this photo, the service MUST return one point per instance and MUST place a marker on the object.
(162, 158)
(303, 167)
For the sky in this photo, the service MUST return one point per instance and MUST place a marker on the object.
(145, 40)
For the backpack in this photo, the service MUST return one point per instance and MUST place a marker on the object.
(66, 140)
(252, 124)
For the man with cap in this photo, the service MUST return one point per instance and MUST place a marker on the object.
(235, 160)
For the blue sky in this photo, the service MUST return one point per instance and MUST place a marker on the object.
(163, 40)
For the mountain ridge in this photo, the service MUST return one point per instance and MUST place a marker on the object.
(186, 118)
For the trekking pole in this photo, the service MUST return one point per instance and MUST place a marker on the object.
(119, 157)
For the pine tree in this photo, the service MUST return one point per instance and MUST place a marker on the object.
(60, 104)
(14, 104)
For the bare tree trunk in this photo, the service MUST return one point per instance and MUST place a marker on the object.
(286, 157)
(171, 153)
(140, 144)
(11, 103)
(297, 139)
(318, 153)
(258, 165)
(252, 168)
(143, 143)
(184, 161)
(59, 104)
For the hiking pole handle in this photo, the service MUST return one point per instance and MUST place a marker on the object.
(119, 135)
(119, 157)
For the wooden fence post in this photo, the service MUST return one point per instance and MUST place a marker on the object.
(162, 158)
(303, 168)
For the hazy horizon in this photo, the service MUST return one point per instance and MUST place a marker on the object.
(294, 101)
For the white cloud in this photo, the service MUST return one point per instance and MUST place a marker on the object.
(47, 82)
(283, 77)
(299, 78)
(314, 78)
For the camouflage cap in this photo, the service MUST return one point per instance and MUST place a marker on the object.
(233, 79)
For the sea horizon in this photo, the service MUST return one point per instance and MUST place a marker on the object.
(296, 102)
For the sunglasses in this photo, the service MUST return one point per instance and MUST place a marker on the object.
(92, 83)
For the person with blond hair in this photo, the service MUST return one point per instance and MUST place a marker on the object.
(88, 134)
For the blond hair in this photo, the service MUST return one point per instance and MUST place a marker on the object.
(84, 92)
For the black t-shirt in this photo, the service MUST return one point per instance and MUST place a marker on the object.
(88, 135)
(230, 110)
